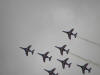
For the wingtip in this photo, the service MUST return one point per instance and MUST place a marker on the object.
(64, 31)
(38, 53)
(48, 51)
(78, 65)
(44, 69)
(20, 47)
(58, 59)
(55, 46)
(54, 68)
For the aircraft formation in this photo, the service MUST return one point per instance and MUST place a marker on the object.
(62, 49)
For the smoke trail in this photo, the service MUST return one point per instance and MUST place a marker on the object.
(87, 60)
(97, 44)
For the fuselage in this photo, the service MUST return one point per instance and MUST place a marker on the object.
(69, 33)
(27, 50)
(84, 67)
(44, 56)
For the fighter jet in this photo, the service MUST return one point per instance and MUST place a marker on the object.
(45, 56)
(64, 62)
(51, 72)
(27, 49)
(70, 33)
(84, 67)
(62, 49)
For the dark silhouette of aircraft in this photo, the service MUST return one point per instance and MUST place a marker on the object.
(51, 72)
(62, 49)
(45, 56)
(64, 62)
(84, 67)
(70, 33)
(27, 49)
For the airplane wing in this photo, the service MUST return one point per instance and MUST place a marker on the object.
(59, 60)
(71, 30)
(29, 47)
(40, 54)
(21, 47)
(53, 69)
(26, 53)
(46, 53)
(44, 59)
(57, 47)
(46, 70)
(69, 36)
(86, 65)
(66, 59)
(64, 46)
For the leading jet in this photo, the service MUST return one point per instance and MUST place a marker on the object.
(64, 62)
(51, 72)
(84, 67)
(70, 33)
(45, 55)
(27, 49)
(62, 49)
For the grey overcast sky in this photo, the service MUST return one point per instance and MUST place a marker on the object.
(40, 23)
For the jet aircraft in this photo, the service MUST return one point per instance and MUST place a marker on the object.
(84, 67)
(70, 33)
(62, 49)
(45, 56)
(51, 72)
(64, 62)
(27, 49)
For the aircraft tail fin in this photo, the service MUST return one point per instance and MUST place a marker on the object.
(67, 51)
(33, 51)
(75, 35)
(69, 65)
(89, 70)
(50, 58)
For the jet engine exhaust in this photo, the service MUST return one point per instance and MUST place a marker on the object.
(89, 41)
